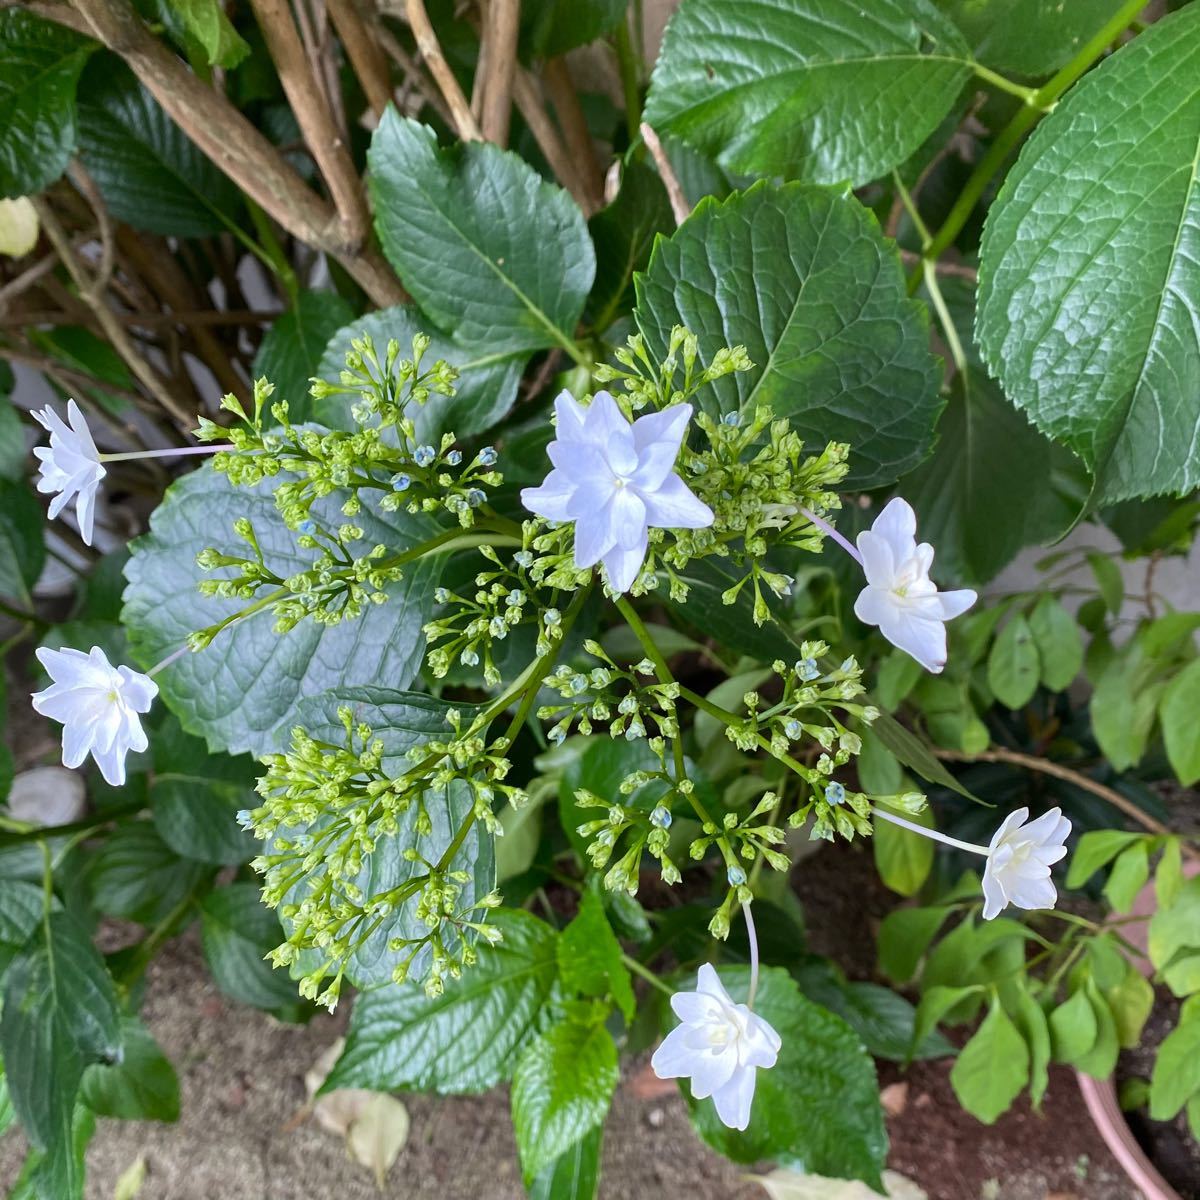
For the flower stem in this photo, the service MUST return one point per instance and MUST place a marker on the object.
(929, 833)
(645, 973)
(829, 531)
(169, 452)
(752, 934)
(664, 677)
(166, 662)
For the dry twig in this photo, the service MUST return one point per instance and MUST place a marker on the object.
(679, 202)
(431, 51)
(497, 70)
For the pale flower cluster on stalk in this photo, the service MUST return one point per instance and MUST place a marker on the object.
(612, 480)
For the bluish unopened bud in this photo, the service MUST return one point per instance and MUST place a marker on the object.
(834, 792)
(661, 816)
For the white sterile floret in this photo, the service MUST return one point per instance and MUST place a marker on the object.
(719, 1046)
(70, 466)
(1019, 859)
(900, 598)
(98, 705)
(616, 480)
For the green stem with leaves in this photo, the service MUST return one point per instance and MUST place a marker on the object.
(1041, 102)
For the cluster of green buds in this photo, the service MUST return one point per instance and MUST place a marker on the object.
(621, 699)
(324, 811)
(636, 825)
(657, 384)
(470, 626)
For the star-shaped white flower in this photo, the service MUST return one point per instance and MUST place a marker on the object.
(616, 480)
(98, 705)
(70, 466)
(1019, 860)
(900, 597)
(719, 1046)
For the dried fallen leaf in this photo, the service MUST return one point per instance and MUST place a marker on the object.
(894, 1098)
(18, 227)
(377, 1136)
(129, 1184)
(782, 1184)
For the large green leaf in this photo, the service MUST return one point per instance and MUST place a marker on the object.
(561, 1091)
(574, 1174)
(820, 90)
(485, 390)
(206, 22)
(60, 1014)
(589, 957)
(141, 1087)
(40, 63)
(291, 352)
(1030, 37)
(468, 1038)
(818, 1107)
(151, 174)
(402, 721)
(803, 278)
(1177, 711)
(237, 930)
(20, 911)
(490, 251)
(22, 549)
(136, 875)
(992, 1068)
(250, 680)
(1090, 268)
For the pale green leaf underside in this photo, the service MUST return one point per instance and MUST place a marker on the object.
(1090, 271)
(250, 680)
(818, 90)
(803, 278)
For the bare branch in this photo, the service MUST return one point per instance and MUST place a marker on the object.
(233, 144)
(431, 51)
(366, 56)
(679, 202)
(412, 71)
(501, 21)
(575, 129)
(527, 92)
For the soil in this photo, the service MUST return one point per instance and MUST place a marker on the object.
(1168, 1144)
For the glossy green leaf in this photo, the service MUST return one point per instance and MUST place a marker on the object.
(206, 21)
(290, 354)
(1168, 875)
(904, 936)
(819, 1104)
(152, 176)
(914, 753)
(195, 797)
(1101, 1060)
(1097, 848)
(1176, 1077)
(402, 721)
(237, 930)
(1073, 1028)
(40, 62)
(561, 1091)
(1108, 579)
(803, 278)
(938, 1003)
(484, 392)
(1174, 941)
(589, 957)
(1013, 664)
(1131, 1002)
(250, 680)
(20, 913)
(552, 27)
(489, 250)
(992, 1068)
(1178, 711)
(13, 459)
(1028, 37)
(60, 1014)
(1031, 1021)
(1059, 643)
(468, 1038)
(58, 1173)
(1090, 265)
(1124, 706)
(902, 858)
(1127, 877)
(819, 90)
(141, 1087)
(22, 548)
(623, 233)
(574, 1174)
(136, 875)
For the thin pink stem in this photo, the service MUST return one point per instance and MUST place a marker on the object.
(166, 662)
(829, 531)
(752, 934)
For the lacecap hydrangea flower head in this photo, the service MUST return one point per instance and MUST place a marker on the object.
(615, 480)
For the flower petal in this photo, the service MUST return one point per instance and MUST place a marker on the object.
(594, 537)
(624, 566)
(550, 500)
(569, 418)
(954, 604)
(674, 1058)
(673, 505)
(897, 525)
(735, 1098)
(879, 563)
